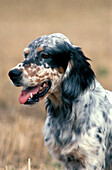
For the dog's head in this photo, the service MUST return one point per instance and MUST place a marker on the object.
(50, 62)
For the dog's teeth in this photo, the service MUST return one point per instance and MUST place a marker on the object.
(31, 95)
(44, 85)
(40, 88)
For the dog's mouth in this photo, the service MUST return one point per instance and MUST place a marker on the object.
(31, 95)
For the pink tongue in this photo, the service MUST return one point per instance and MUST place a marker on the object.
(25, 94)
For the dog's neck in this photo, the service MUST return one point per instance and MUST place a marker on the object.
(58, 107)
(76, 113)
(56, 97)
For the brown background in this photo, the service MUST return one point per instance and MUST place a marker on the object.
(87, 23)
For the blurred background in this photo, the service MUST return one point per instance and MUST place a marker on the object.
(87, 24)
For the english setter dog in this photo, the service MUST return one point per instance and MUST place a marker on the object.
(78, 128)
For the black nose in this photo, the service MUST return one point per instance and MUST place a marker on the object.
(14, 74)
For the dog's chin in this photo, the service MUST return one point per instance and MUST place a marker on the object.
(31, 101)
(32, 95)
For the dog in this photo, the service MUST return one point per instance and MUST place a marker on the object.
(78, 128)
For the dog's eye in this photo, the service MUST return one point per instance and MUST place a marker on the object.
(44, 55)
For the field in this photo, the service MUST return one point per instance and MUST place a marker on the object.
(87, 24)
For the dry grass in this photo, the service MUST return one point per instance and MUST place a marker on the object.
(87, 24)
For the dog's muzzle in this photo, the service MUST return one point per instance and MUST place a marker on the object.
(29, 95)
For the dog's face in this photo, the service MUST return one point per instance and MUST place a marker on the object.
(51, 62)
(41, 72)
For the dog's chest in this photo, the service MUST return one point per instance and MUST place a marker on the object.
(57, 135)
(57, 131)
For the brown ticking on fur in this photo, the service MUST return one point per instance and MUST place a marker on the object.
(39, 49)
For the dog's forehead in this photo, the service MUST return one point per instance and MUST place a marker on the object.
(49, 40)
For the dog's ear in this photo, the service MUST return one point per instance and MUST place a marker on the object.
(78, 76)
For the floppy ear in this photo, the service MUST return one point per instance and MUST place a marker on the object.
(78, 76)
